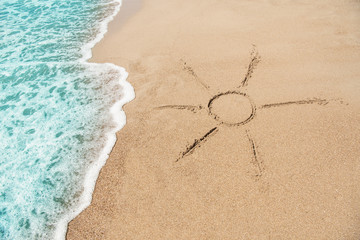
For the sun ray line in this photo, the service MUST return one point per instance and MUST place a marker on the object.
(257, 162)
(191, 71)
(255, 59)
(318, 101)
(191, 108)
(197, 143)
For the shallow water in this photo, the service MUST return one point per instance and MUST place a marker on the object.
(56, 125)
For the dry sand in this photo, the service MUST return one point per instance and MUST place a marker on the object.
(286, 171)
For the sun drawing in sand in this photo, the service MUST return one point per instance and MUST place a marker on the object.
(245, 110)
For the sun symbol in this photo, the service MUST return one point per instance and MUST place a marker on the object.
(242, 110)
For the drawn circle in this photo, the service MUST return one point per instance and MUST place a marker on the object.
(232, 108)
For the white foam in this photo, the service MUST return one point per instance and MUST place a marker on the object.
(119, 118)
(86, 49)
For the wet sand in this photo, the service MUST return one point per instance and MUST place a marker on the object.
(245, 123)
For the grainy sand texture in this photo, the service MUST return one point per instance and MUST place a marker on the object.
(245, 123)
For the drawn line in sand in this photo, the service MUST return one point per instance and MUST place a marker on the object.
(191, 71)
(191, 108)
(301, 102)
(255, 59)
(239, 121)
(197, 143)
(256, 161)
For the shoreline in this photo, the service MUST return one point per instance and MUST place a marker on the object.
(125, 13)
(118, 118)
(274, 176)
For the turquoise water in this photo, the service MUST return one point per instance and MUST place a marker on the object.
(56, 112)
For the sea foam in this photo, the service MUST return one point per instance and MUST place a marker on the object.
(58, 112)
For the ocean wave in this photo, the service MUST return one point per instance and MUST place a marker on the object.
(58, 112)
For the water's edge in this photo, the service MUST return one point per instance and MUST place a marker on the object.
(119, 118)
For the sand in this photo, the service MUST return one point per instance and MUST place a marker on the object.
(277, 154)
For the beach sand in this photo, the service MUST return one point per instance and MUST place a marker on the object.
(282, 162)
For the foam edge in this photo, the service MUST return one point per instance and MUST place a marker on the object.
(119, 118)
